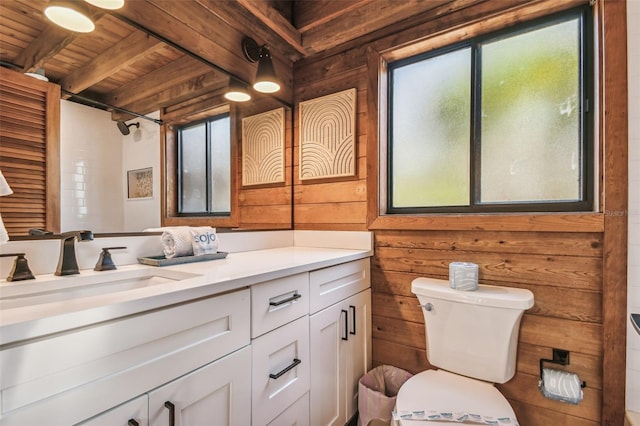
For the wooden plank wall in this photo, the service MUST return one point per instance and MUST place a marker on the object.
(266, 206)
(559, 258)
(564, 272)
(335, 203)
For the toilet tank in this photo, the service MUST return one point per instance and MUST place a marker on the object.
(472, 333)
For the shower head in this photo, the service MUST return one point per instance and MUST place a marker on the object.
(124, 127)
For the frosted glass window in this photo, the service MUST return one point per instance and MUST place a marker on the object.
(496, 123)
(531, 148)
(430, 131)
(193, 176)
(205, 167)
(220, 165)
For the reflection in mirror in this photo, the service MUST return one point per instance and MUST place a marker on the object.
(98, 186)
(266, 205)
(121, 66)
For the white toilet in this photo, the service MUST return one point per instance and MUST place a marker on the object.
(472, 337)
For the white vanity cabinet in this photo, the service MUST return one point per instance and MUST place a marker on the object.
(265, 353)
(340, 341)
(71, 377)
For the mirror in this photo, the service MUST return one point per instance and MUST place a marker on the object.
(134, 60)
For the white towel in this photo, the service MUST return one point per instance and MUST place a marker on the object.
(5, 189)
(176, 241)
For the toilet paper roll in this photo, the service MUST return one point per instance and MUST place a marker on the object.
(463, 276)
(561, 386)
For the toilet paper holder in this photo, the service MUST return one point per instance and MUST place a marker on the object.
(560, 357)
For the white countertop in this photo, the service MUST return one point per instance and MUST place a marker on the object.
(238, 270)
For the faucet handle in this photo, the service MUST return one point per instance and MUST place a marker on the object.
(20, 270)
(105, 263)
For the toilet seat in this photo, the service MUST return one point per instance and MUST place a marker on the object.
(447, 392)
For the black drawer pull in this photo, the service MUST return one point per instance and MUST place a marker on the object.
(353, 315)
(172, 412)
(296, 296)
(346, 324)
(295, 362)
(133, 422)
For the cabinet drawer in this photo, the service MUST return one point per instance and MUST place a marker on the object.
(280, 361)
(297, 414)
(136, 409)
(275, 303)
(331, 285)
(62, 376)
(213, 395)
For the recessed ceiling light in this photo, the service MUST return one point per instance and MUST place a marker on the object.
(107, 4)
(70, 15)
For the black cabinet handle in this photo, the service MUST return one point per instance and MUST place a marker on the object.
(172, 412)
(295, 362)
(353, 315)
(296, 296)
(133, 422)
(346, 325)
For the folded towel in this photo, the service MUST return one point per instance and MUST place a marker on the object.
(176, 241)
(454, 417)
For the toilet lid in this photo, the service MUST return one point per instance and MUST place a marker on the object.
(447, 392)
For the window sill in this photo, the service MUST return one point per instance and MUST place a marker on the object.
(222, 222)
(525, 222)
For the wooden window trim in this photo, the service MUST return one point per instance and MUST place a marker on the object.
(169, 160)
(546, 222)
(378, 58)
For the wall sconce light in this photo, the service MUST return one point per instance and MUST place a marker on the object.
(74, 15)
(266, 80)
(237, 91)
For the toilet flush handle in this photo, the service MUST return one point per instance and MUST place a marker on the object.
(427, 307)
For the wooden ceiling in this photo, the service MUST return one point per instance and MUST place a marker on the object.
(153, 54)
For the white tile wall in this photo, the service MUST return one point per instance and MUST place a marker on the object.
(94, 160)
(633, 286)
(141, 149)
(90, 161)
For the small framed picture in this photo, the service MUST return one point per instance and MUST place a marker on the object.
(140, 184)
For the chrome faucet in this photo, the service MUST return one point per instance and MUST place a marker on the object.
(68, 264)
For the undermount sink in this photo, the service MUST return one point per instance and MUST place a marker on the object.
(51, 288)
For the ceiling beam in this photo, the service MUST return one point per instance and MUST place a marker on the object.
(276, 22)
(189, 25)
(171, 74)
(181, 92)
(311, 14)
(48, 44)
(112, 60)
(244, 23)
(367, 18)
(51, 41)
(207, 36)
